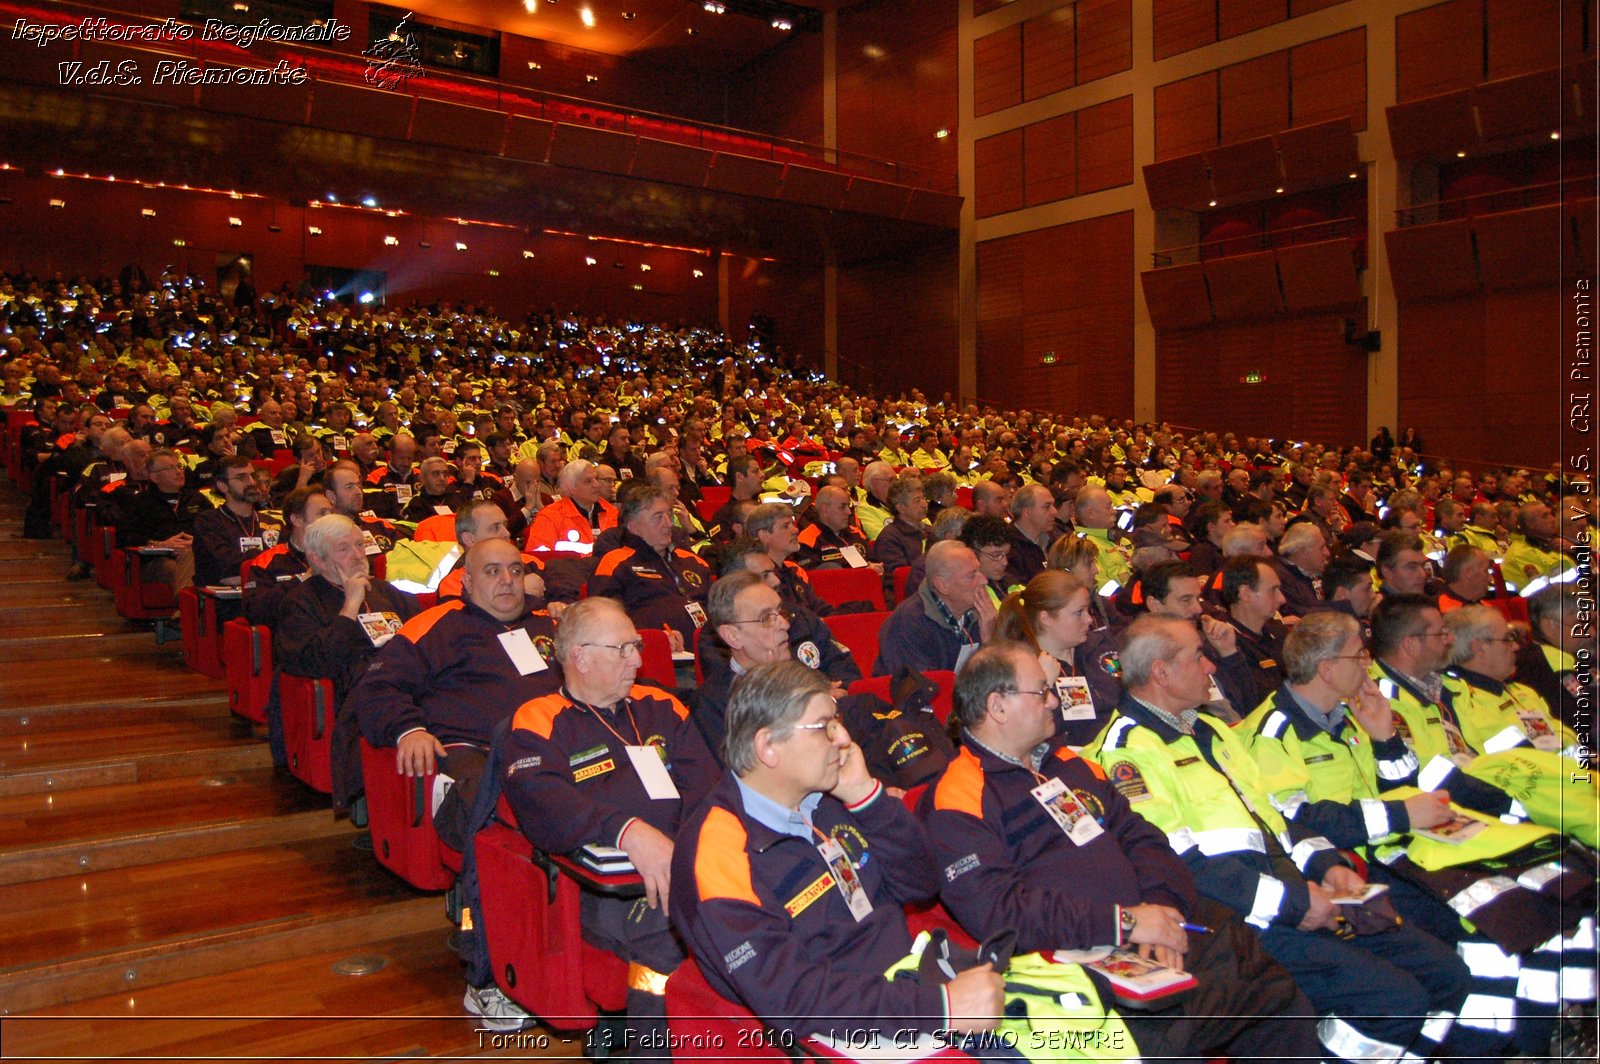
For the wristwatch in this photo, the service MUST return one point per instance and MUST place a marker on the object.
(1126, 922)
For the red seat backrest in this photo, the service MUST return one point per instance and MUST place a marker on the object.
(858, 632)
(838, 586)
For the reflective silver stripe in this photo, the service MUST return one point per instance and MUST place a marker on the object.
(1118, 732)
(1347, 1043)
(1397, 768)
(1488, 1012)
(1181, 841)
(1516, 814)
(1306, 849)
(1229, 840)
(1536, 878)
(1540, 985)
(1488, 961)
(1376, 815)
(1582, 938)
(1436, 1028)
(1509, 739)
(1290, 804)
(1269, 899)
(1434, 773)
(1411, 1058)
(1275, 724)
(1577, 752)
(1480, 894)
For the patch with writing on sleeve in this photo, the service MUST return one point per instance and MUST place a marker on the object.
(1129, 782)
(586, 755)
(523, 762)
(809, 655)
(955, 871)
(817, 888)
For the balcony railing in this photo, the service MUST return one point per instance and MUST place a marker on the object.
(324, 64)
(1245, 243)
(1494, 202)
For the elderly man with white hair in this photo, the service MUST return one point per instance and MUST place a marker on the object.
(1304, 554)
(572, 521)
(332, 625)
(939, 626)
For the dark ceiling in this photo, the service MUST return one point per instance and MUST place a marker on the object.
(659, 31)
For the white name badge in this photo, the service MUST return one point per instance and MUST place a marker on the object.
(846, 878)
(852, 556)
(116, 478)
(369, 543)
(443, 511)
(1538, 730)
(697, 613)
(1077, 703)
(441, 787)
(651, 772)
(250, 543)
(380, 627)
(1068, 813)
(402, 493)
(339, 443)
(1214, 693)
(277, 437)
(966, 651)
(523, 654)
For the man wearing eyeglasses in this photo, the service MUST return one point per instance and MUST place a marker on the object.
(236, 531)
(792, 877)
(1413, 645)
(595, 763)
(660, 586)
(1192, 777)
(1033, 837)
(1496, 712)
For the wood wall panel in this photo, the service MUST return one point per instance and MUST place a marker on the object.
(1431, 261)
(1049, 52)
(1180, 25)
(1176, 297)
(1105, 145)
(998, 173)
(1105, 38)
(1328, 79)
(897, 81)
(1315, 386)
(1254, 97)
(1439, 49)
(1480, 376)
(1241, 16)
(1050, 157)
(789, 294)
(1524, 35)
(1186, 116)
(781, 92)
(1066, 290)
(997, 70)
(1319, 275)
(1305, 7)
(1244, 286)
(1521, 249)
(897, 322)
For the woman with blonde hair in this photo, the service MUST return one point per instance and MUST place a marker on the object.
(1080, 556)
(1052, 614)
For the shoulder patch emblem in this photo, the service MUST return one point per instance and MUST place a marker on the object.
(809, 655)
(1129, 782)
(1110, 664)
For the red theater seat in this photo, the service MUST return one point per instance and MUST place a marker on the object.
(942, 702)
(399, 815)
(308, 710)
(859, 633)
(247, 666)
(838, 586)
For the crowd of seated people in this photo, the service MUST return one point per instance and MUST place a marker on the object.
(1249, 674)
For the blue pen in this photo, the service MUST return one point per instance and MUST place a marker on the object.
(1196, 929)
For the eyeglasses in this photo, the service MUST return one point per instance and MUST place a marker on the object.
(1360, 655)
(829, 728)
(996, 554)
(1043, 692)
(634, 648)
(770, 618)
(1433, 633)
(1509, 637)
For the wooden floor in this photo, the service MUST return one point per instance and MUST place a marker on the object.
(164, 893)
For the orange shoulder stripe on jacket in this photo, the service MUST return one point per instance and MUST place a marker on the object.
(1068, 754)
(608, 564)
(422, 623)
(809, 535)
(261, 560)
(721, 864)
(642, 691)
(538, 715)
(961, 787)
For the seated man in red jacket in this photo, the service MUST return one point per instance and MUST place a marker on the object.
(572, 521)
(1033, 837)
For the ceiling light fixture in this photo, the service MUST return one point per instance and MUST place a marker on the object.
(587, 15)
(716, 7)
(234, 222)
(1213, 203)
(527, 254)
(941, 133)
(460, 246)
(391, 241)
(148, 212)
(313, 230)
(781, 23)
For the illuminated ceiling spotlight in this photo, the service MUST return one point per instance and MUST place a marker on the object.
(590, 78)
(149, 212)
(332, 198)
(180, 243)
(1555, 134)
(366, 297)
(391, 241)
(534, 66)
(699, 273)
(57, 204)
(629, 16)
(941, 134)
(587, 15)
(235, 222)
(527, 254)
(493, 273)
(781, 23)
(638, 288)
(644, 267)
(460, 246)
(531, 6)
(716, 7)
(369, 202)
(314, 230)
(590, 260)
(1213, 203)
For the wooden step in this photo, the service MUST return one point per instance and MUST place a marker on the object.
(38, 719)
(121, 640)
(101, 681)
(67, 760)
(97, 828)
(411, 1006)
(22, 551)
(121, 930)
